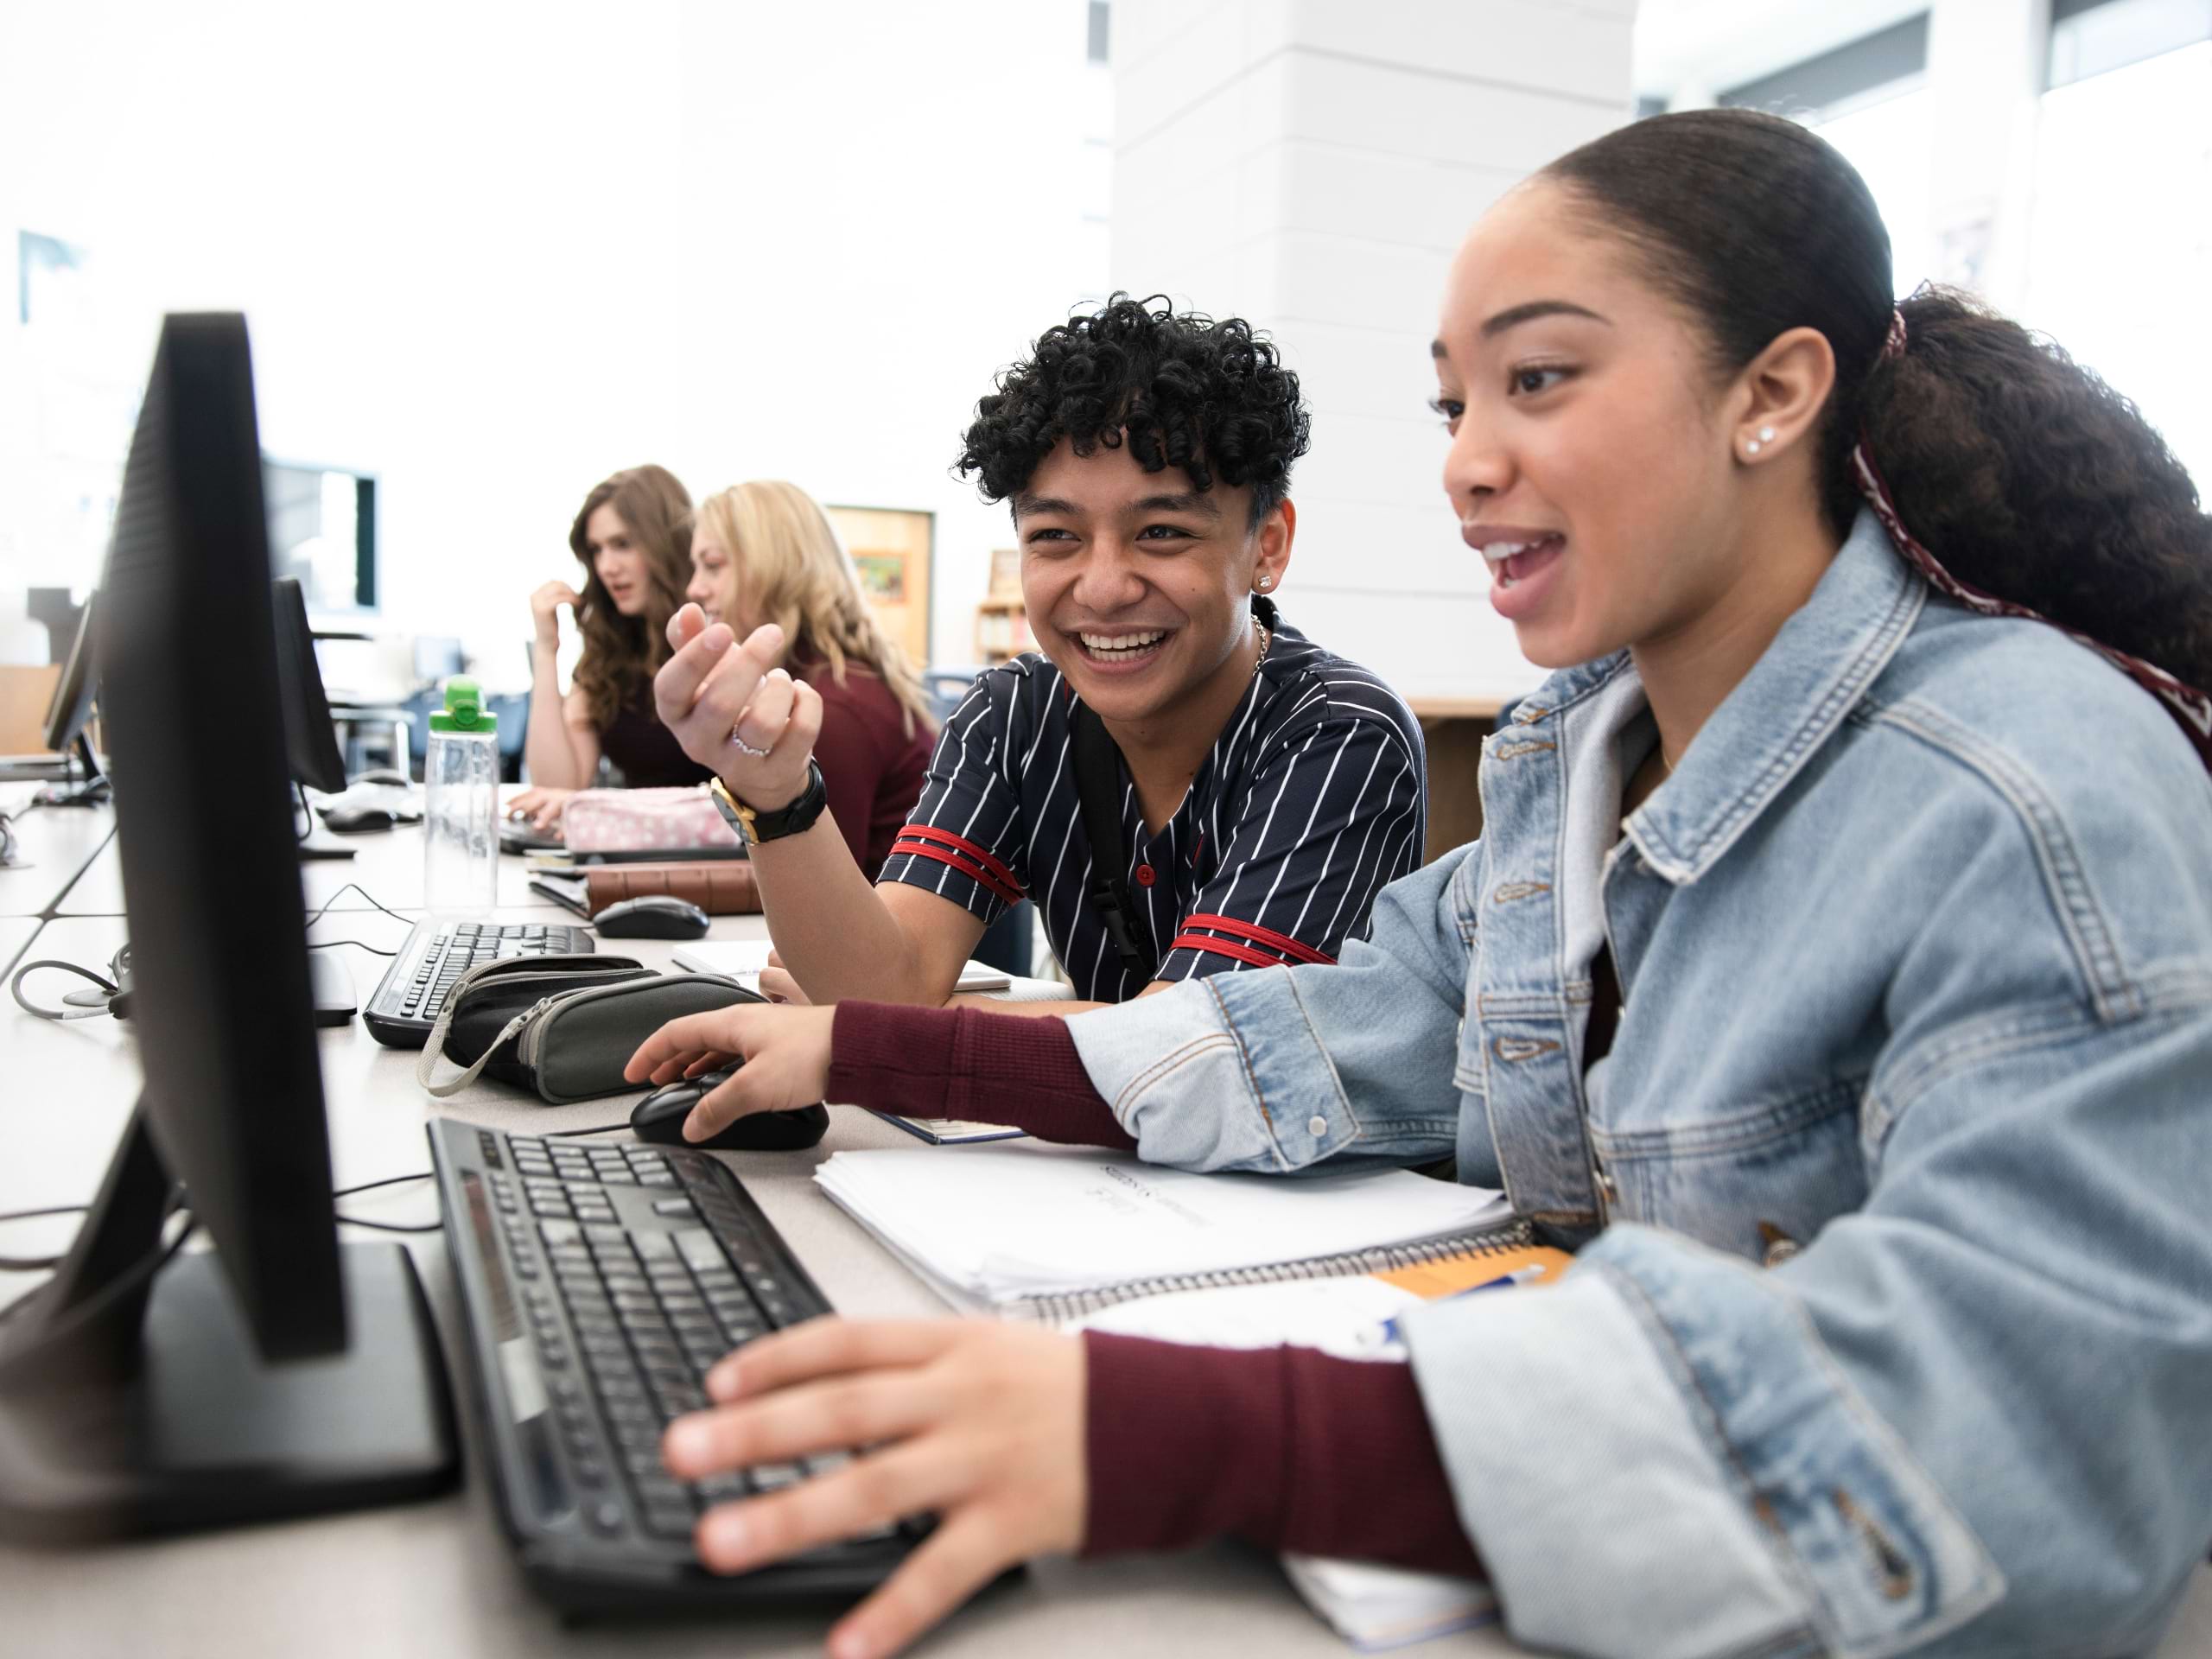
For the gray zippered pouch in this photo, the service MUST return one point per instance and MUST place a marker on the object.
(571, 1041)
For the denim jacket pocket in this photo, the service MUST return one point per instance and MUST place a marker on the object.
(1792, 1164)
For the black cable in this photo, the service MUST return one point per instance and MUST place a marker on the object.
(388, 1226)
(56, 1210)
(598, 1128)
(355, 886)
(37, 1263)
(393, 1226)
(370, 1186)
(89, 1311)
(332, 944)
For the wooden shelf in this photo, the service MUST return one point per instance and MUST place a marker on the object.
(1002, 628)
(1455, 708)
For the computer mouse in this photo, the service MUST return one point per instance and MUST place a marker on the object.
(656, 916)
(660, 1118)
(384, 775)
(350, 819)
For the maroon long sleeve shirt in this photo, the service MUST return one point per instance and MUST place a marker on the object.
(1284, 1446)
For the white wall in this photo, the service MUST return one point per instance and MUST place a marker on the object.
(1311, 165)
(493, 252)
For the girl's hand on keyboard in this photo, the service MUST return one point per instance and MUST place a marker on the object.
(786, 1051)
(978, 1421)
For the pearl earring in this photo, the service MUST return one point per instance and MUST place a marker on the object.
(1752, 448)
(1766, 434)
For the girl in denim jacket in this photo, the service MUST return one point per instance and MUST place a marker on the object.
(1834, 973)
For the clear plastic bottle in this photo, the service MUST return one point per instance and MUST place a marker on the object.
(460, 808)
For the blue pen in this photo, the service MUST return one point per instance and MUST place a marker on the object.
(1519, 1276)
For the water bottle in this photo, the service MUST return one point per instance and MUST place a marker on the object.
(460, 808)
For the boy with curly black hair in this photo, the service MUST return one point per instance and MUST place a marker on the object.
(1263, 789)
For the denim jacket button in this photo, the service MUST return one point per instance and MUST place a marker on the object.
(1317, 1126)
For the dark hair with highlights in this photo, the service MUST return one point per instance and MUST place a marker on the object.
(1211, 397)
(2021, 471)
(622, 653)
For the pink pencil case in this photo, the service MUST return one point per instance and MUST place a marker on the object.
(637, 819)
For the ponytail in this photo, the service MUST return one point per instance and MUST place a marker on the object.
(2035, 482)
(2039, 489)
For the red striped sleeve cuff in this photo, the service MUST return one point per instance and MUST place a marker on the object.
(1285, 947)
(961, 855)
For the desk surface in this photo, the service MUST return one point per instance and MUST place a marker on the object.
(436, 1577)
(387, 865)
(16, 932)
(53, 845)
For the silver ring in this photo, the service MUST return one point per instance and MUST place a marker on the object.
(744, 748)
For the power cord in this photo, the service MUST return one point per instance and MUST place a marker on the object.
(110, 1001)
(114, 1000)
(37, 1263)
(46, 1264)
(359, 944)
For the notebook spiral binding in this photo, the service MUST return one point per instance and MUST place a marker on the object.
(1060, 1309)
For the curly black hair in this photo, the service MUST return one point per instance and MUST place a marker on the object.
(1186, 390)
(2023, 471)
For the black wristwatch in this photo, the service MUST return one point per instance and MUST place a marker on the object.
(755, 827)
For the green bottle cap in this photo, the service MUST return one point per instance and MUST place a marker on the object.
(465, 710)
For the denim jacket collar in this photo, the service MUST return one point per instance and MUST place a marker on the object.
(1797, 694)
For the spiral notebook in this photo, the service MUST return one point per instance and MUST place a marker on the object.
(1034, 1232)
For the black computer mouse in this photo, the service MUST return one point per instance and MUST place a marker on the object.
(660, 1118)
(656, 916)
(352, 820)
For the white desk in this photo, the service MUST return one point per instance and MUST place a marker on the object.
(435, 1578)
(53, 844)
(387, 864)
(16, 932)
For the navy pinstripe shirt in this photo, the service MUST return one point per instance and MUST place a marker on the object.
(1312, 799)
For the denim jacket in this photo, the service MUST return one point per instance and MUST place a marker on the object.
(1915, 947)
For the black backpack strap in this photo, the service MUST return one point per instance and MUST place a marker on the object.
(1098, 785)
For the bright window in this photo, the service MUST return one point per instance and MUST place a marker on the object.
(1889, 139)
(2120, 249)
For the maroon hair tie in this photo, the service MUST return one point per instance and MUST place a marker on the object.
(2188, 705)
(1893, 346)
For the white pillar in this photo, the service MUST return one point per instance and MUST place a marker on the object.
(1311, 165)
(1986, 69)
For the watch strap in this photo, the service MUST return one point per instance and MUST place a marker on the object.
(754, 826)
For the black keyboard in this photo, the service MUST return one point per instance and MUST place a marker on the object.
(413, 989)
(599, 1284)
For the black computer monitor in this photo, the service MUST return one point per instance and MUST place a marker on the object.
(322, 529)
(311, 741)
(68, 717)
(279, 1373)
(71, 711)
(310, 736)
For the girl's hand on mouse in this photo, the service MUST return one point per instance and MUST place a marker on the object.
(978, 1421)
(785, 1051)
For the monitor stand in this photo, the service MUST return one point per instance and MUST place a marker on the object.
(89, 790)
(133, 1401)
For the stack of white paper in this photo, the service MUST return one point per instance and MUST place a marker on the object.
(993, 1224)
(1375, 1608)
(743, 959)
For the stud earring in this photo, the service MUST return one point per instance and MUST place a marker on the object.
(1265, 582)
(1751, 448)
(1766, 434)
